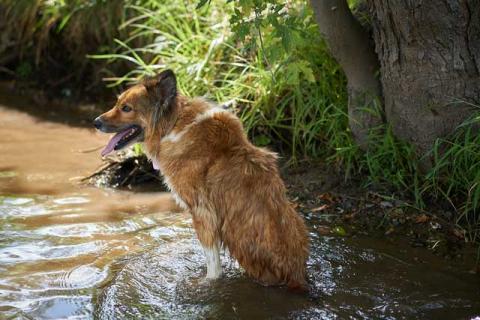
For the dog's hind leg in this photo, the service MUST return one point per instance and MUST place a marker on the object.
(206, 226)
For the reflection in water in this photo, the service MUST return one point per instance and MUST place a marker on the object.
(69, 251)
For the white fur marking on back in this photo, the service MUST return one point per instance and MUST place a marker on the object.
(176, 136)
(214, 267)
(209, 114)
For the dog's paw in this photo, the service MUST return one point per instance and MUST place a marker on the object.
(207, 281)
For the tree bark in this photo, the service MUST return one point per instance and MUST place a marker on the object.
(352, 47)
(430, 61)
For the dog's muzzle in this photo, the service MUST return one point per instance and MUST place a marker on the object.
(103, 126)
(98, 123)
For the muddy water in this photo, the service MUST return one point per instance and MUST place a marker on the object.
(70, 251)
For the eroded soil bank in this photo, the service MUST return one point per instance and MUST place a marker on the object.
(73, 250)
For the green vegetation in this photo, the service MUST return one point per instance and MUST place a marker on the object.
(455, 175)
(294, 99)
(47, 41)
(267, 62)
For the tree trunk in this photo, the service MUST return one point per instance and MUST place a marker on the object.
(352, 47)
(430, 60)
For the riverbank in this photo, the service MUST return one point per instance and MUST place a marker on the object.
(70, 249)
(346, 207)
(66, 109)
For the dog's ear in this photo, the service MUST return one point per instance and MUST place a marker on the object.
(162, 90)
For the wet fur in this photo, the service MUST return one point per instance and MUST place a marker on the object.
(232, 188)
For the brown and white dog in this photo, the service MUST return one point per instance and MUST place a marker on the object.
(232, 188)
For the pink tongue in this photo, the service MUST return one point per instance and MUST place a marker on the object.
(113, 142)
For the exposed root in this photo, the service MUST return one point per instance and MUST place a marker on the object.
(127, 172)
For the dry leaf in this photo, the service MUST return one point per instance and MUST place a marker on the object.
(324, 230)
(458, 234)
(422, 218)
(321, 208)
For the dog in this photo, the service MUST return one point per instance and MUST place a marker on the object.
(232, 188)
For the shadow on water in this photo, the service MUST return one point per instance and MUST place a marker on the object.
(70, 251)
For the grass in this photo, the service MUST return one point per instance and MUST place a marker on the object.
(291, 95)
(455, 176)
(297, 103)
(47, 41)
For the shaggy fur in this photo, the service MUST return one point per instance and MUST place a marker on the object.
(232, 188)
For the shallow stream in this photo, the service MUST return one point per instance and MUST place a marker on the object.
(68, 251)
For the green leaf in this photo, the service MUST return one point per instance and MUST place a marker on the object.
(307, 71)
(339, 230)
(64, 21)
(201, 3)
(262, 140)
(292, 73)
(137, 149)
(286, 35)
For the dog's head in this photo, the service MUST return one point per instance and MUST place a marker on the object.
(139, 111)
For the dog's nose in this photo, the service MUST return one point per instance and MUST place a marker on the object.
(97, 123)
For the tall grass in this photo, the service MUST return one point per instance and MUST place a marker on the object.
(455, 176)
(297, 106)
(47, 41)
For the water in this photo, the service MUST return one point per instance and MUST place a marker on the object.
(68, 251)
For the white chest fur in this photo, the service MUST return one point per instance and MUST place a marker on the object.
(167, 182)
(155, 163)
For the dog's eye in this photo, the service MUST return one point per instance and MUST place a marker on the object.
(126, 108)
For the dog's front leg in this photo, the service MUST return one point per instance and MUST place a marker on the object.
(206, 226)
(214, 267)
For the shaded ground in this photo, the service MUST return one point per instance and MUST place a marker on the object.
(350, 209)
